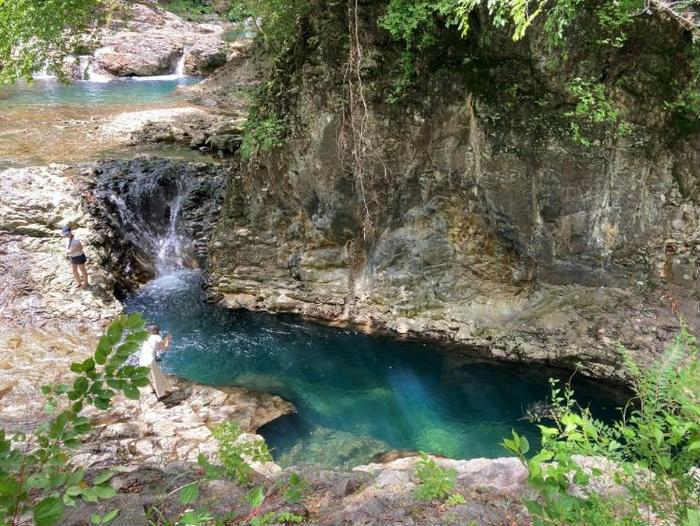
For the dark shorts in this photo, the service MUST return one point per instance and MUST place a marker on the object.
(78, 260)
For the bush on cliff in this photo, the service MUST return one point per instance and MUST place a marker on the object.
(640, 470)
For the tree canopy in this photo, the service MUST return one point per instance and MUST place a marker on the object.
(39, 32)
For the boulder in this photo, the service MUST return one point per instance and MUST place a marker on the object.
(132, 55)
(205, 56)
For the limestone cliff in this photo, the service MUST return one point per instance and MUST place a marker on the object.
(472, 217)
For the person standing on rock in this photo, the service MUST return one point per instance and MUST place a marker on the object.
(149, 353)
(74, 252)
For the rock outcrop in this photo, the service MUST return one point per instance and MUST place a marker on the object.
(139, 203)
(143, 40)
(463, 226)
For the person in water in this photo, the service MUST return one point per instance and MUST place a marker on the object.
(149, 354)
(74, 252)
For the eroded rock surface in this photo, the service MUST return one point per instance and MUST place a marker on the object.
(179, 427)
(549, 254)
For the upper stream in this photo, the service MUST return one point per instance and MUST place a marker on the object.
(50, 92)
(356, 395)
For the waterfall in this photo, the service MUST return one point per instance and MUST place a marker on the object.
(180, 67)
(44, 74)
(170, 254)
(83, 65)
(148, 212)
(94, 75)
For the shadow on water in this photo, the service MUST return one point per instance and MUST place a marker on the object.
(356, 395)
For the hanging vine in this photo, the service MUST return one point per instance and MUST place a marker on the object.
(356, 116)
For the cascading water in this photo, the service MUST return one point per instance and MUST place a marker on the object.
(169, 256)
(147, 211)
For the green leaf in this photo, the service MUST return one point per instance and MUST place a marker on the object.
(81, 385)
(90, 495)
(9, 487)
(131, 392)
(104, 477)
(104, 492)
(189, 493)
(694, 445)
(49, 511)
(73, 491)
(102, 403)
(134, 321)
(109, 517)
(114, 332)
(256, 497)
(139, 381)
(38, 480)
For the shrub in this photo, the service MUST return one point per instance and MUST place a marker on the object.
(35, 475)
(652, 452)
(435, 482)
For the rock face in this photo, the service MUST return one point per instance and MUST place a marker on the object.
(143, 40)
(465, 229)
(46, 320)
(37, 280)
(155, 208)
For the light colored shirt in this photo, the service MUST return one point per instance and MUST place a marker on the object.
(147, 354)
(75, 247)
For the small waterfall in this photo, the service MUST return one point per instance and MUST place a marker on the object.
(83, 65)
(170, 255)
(180, 67)
(94, 75)
(44, 74)
(149, 212)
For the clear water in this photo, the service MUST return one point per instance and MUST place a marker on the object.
(83, 93)
(356, 395)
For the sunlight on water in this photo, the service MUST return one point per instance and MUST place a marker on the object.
(356, 395)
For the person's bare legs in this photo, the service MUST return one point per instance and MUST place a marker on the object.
(82, 271)
(76, 275)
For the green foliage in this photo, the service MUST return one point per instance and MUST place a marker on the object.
(39, 32)
(108, 517)
(434, 482)
(296, 487)
(455, 499)
(195, 518)
(189, 493)
(652, 451)
(276, 20)
(594, 111)
(231, 454)
(189, 9)
(40, 480)
(263, 134)
(282, 517)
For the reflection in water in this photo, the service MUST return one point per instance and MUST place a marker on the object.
(356, 395)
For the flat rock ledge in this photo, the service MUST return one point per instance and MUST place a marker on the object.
(178, 428)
